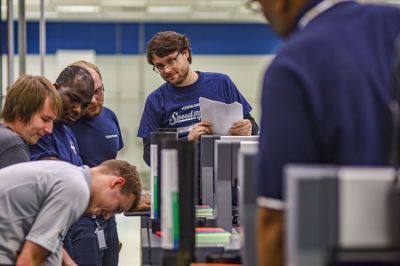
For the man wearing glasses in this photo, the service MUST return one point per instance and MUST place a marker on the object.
(175, 104)
(99, 139)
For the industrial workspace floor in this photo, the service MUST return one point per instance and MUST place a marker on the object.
(129, 235)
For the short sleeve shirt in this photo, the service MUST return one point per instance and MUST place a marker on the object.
(39, 201)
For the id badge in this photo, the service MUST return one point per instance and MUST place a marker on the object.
(101, 239)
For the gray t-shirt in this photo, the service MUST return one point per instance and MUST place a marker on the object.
(38, 202)
(13, 148)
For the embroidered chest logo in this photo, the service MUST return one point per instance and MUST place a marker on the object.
(73, 146)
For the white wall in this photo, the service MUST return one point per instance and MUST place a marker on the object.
(129, 79)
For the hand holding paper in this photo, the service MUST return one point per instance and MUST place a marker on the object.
(222, 116)
(201, 128)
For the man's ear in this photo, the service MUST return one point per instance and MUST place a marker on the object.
(56, 85)
(117, 181)
(186, 53)
(282, 6)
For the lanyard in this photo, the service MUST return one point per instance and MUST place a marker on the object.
(317, 10)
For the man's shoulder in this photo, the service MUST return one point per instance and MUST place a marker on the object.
(157, 96)
(214, 76)
(7, 136)
(106, 118)
(69, 177)
(108, 112)
(327, 33)
(381, 10)
(157, 92)
(60, 132)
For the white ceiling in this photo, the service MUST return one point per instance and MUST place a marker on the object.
(144, 10)
(139, 10)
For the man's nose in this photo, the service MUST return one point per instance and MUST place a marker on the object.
(77, 109)
(167, 68)
(48, 128)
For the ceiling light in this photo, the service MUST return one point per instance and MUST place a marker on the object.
(124, 3)
(168, 9)
(36, 14)
(78, 9)
(224, 3)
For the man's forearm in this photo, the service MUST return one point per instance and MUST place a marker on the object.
(32, 255)
(270, 237)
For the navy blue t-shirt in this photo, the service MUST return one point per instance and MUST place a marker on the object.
(326, 95)
(61, 143)
(178, 107)
(99, 138)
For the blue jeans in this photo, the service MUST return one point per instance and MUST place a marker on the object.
(82, 245)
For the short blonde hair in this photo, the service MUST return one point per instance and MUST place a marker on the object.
(87, 65)
(129, 173)
(26, 97)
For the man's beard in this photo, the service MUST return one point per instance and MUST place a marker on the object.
(180, 79)
(90, 114)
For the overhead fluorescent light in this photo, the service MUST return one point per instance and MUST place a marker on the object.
(224, 3)
(220, 3)
(168, 9)
(36, 14)
(78, 9)
(124, 3)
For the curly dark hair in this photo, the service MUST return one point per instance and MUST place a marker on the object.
(167, 42)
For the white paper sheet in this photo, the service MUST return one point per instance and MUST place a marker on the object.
(221, 115)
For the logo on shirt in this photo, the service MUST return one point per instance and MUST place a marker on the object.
(111, 136)
(185, 114)
(72, 146)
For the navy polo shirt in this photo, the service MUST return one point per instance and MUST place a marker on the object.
(99, 138)
(326, 95)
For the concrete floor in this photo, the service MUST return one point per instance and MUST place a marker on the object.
(129, 235)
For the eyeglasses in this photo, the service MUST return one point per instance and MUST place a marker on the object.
(254, 6)
(99, 91)
(171, 62)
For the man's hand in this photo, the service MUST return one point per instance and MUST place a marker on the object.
(202, 128)
(67, 260)
(145, 202)
(241, 128)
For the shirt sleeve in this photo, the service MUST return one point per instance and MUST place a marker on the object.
(151, 117)
(65, 203)
(120, 139)
(17, 153)
(286, 130)
(236, 96)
